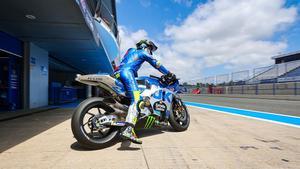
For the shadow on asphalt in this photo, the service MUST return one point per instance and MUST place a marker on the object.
(77, 147)
(149, 132)
(125, 145)
(16, 131)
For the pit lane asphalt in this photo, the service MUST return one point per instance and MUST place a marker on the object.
(287, 107)
(213, 140)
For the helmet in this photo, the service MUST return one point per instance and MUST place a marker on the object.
(149, 45)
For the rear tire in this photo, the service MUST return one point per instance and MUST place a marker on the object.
(179, 117)
(85, 139)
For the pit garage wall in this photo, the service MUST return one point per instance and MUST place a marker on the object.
(38, 77)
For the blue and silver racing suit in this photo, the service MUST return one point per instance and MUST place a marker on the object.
(130, 64)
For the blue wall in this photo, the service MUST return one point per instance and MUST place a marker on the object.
(38, 76)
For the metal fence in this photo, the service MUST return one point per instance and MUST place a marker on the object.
(258, 71)
(210, 80)
(222, 79)
(269, 74)
(240, 76)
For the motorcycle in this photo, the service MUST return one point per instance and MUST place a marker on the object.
(98, 121)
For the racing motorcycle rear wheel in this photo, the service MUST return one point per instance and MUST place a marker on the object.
(84, 124)
(179, 117)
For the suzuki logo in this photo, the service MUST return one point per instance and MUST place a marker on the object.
(159, 96)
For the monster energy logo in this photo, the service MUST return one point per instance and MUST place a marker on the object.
(149, 122)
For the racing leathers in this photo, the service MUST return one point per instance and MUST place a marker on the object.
(127, 71)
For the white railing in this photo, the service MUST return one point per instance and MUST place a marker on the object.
(259, 74)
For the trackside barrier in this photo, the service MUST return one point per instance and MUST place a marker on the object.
(288, 88)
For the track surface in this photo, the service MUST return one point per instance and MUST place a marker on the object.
(214, 140)
(286, 107)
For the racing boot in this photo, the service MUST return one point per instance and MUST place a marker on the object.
(129, 134)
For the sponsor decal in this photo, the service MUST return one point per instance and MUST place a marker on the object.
(160, 106)
(150, 121)
(95, 78)
(32, 61)
(44, 70)
(118, 123)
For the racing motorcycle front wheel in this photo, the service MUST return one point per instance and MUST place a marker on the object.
(179, 117)
(84, 124)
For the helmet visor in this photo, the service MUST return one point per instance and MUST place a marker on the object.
(152, 46)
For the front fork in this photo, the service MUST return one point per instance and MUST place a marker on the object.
(177, 106)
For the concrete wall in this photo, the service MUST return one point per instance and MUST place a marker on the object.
(265, 89)
(288, 88)
(271, 97)
(38, 77)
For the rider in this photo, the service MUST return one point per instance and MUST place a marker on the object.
(127, 71)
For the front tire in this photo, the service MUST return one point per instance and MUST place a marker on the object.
(92, 139)
(179, 117)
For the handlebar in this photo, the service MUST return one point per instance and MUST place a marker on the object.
(163, 80)
(154, 77)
